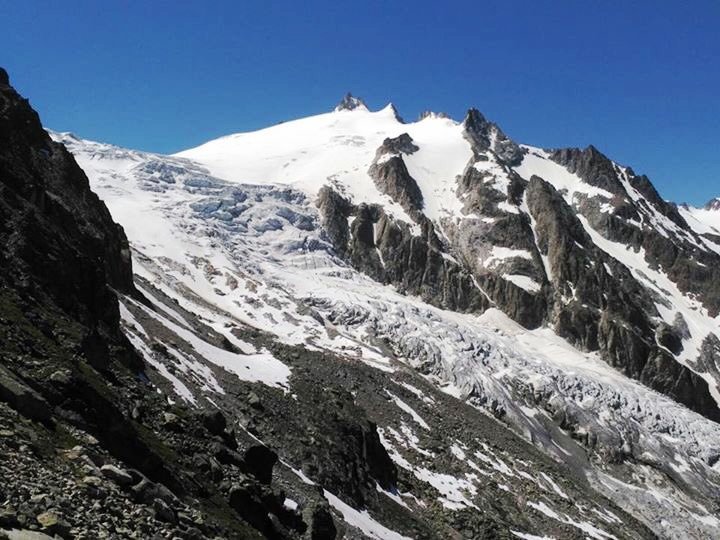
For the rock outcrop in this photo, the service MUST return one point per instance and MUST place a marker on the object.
(484, 135)
(350, 103)
(713, 204)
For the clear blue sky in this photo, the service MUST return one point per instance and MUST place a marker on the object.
(640, 81)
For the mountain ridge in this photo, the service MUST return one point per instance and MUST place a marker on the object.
(618, 202)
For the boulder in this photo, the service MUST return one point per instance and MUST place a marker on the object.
(259, 461)
(52, 523)
(22, 398)
(322, 525)
(117, 475)
(214, 422)
(163, 512)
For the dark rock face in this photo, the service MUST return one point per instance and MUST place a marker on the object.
(62, 251)
(214, 422)
(590, 165)
(402, 144)
(668, 338)
(259, 461)
(677, 254)
(388, 251)
(57, 232)
(344, 453)
(709, 360)
(323, 527)
(252, 503)
(607, 311)
(335, 209)
(63, 256)
(506, 230)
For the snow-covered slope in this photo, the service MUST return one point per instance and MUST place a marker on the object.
(468, 176)
(231, 231)
(705, 220)
(337, 149)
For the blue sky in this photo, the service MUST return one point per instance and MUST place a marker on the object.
(640, 81)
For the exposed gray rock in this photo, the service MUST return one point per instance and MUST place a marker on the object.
(19, 534)
(592, 166)
(349, 103)
(392, 178)
(52, 523)
(669, 338)
(21, 397)
(163, 512)
(609, 312)
(147, 491)
(432, 114)
(483, 136)
(334, 211)
(117, 475)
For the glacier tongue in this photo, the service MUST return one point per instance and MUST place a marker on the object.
(252, 252)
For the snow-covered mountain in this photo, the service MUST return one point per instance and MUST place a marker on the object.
(713, 204)
(705, 220)
(537, 234)
(464, 288)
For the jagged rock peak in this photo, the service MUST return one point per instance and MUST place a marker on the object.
(484, 135)
(350, 103)
(4, 78)
(589, 153)
(591, 165)
(713, 204)
(432, 114)
(476, 123)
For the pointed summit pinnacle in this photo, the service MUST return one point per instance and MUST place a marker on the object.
(350, 103)
(484, 135)
(713, 204)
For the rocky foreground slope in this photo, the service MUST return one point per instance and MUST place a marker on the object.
(348, 327)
